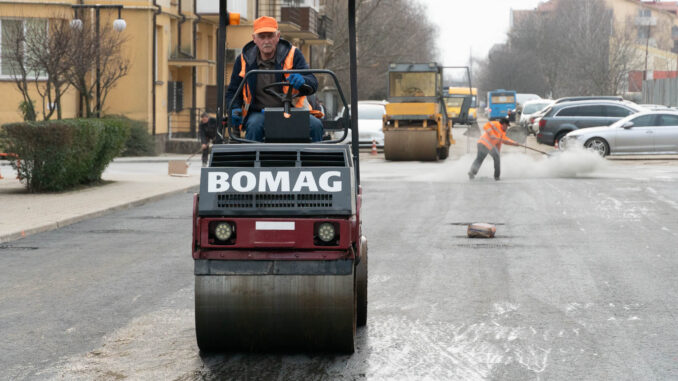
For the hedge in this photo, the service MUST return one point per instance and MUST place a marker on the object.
(139, 142)
(63, 154)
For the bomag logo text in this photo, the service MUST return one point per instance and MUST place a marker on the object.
(268, 181)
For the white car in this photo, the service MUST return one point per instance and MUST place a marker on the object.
(644, 133)
(370, 122)
(530, 110)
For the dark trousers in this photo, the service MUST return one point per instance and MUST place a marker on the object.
(482, 153)
(206, 153)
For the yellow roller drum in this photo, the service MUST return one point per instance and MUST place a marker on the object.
(410, 144)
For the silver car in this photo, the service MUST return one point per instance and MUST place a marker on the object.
(644, 133)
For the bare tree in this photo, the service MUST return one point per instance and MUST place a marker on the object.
(387, 31)
(107, 51)
(576, 49)
(15, 58)
(49, 46)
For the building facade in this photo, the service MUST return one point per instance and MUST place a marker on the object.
(171, 45)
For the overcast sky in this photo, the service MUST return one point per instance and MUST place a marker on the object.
(471, 25)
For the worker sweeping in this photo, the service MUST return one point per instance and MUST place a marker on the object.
(490, 143)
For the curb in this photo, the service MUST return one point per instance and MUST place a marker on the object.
(72, 220)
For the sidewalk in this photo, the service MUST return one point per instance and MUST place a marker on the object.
(130, 182)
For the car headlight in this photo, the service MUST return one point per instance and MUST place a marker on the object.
(223, 231)
(326, 232)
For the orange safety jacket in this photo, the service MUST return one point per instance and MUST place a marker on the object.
(288, 64)
(494, 136)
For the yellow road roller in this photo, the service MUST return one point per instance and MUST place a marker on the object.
(416, 125)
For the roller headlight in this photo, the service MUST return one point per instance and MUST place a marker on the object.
(326, 232)
(223, 231)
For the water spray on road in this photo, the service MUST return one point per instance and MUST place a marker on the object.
(559, 164)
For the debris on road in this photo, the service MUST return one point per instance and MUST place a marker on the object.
(481, 230)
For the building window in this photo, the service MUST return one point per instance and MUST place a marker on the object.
(643, 33)
(12, 32)
(644, 13)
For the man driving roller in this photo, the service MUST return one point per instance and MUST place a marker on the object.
(267, 51)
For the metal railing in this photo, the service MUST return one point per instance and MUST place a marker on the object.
(184, 124)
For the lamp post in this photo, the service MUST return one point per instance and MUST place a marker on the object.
(119, 25)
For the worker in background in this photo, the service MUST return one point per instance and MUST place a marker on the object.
(490, 143)
(267, 51)
(207, 131)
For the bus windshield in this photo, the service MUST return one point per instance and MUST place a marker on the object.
(503, 98)
(412, 84)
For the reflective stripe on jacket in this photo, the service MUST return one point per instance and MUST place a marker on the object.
(494, 136)
(288, 64)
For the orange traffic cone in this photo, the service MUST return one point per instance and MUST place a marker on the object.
(555, 144)
(374, 147)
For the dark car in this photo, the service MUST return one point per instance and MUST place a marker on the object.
(561, 118)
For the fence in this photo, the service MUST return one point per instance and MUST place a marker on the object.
(661, 92)
(184, 124)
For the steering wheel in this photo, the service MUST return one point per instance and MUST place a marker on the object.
(285, 98)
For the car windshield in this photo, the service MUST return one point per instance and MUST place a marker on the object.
(532, 108)
(412, 84)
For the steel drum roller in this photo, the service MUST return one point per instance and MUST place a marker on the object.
(410, 144)
(268, 312)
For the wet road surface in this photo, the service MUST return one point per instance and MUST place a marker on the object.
(578, 284)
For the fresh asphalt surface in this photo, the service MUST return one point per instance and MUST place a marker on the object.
(579, 284)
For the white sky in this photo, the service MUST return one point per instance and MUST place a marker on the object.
(471, 25)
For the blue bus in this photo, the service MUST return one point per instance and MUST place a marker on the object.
(500, 102)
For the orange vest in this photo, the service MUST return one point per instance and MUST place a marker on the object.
(287, 65)
(494, 135)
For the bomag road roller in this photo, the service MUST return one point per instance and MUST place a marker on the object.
(415, 125)
(280, 261)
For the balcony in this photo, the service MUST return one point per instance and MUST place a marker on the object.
(302, 22)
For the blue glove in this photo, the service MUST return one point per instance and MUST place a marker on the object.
(236, 116)
(296, 80)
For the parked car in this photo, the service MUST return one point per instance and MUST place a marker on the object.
(589, 98)
(644, 133)
(559, 119)
(522, 99)
(370, 121)
(530, 110)
(652, 107)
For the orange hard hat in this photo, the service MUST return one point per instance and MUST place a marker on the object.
(265, 24)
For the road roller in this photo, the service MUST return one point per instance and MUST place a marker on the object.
(416, 125)
(280, 261)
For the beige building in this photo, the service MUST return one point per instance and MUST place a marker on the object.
(172, 48)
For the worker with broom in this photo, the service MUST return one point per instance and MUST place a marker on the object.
(207, 132)
(490, 143)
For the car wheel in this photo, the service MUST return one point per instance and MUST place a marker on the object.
(598, 145)
(556, 141)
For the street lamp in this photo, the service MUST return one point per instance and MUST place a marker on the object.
(119, 25)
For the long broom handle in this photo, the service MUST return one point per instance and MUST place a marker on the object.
(534, 149)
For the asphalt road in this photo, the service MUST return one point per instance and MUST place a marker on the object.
(579, 284)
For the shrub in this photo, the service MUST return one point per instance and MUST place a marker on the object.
(62, 154)
(139, 142)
